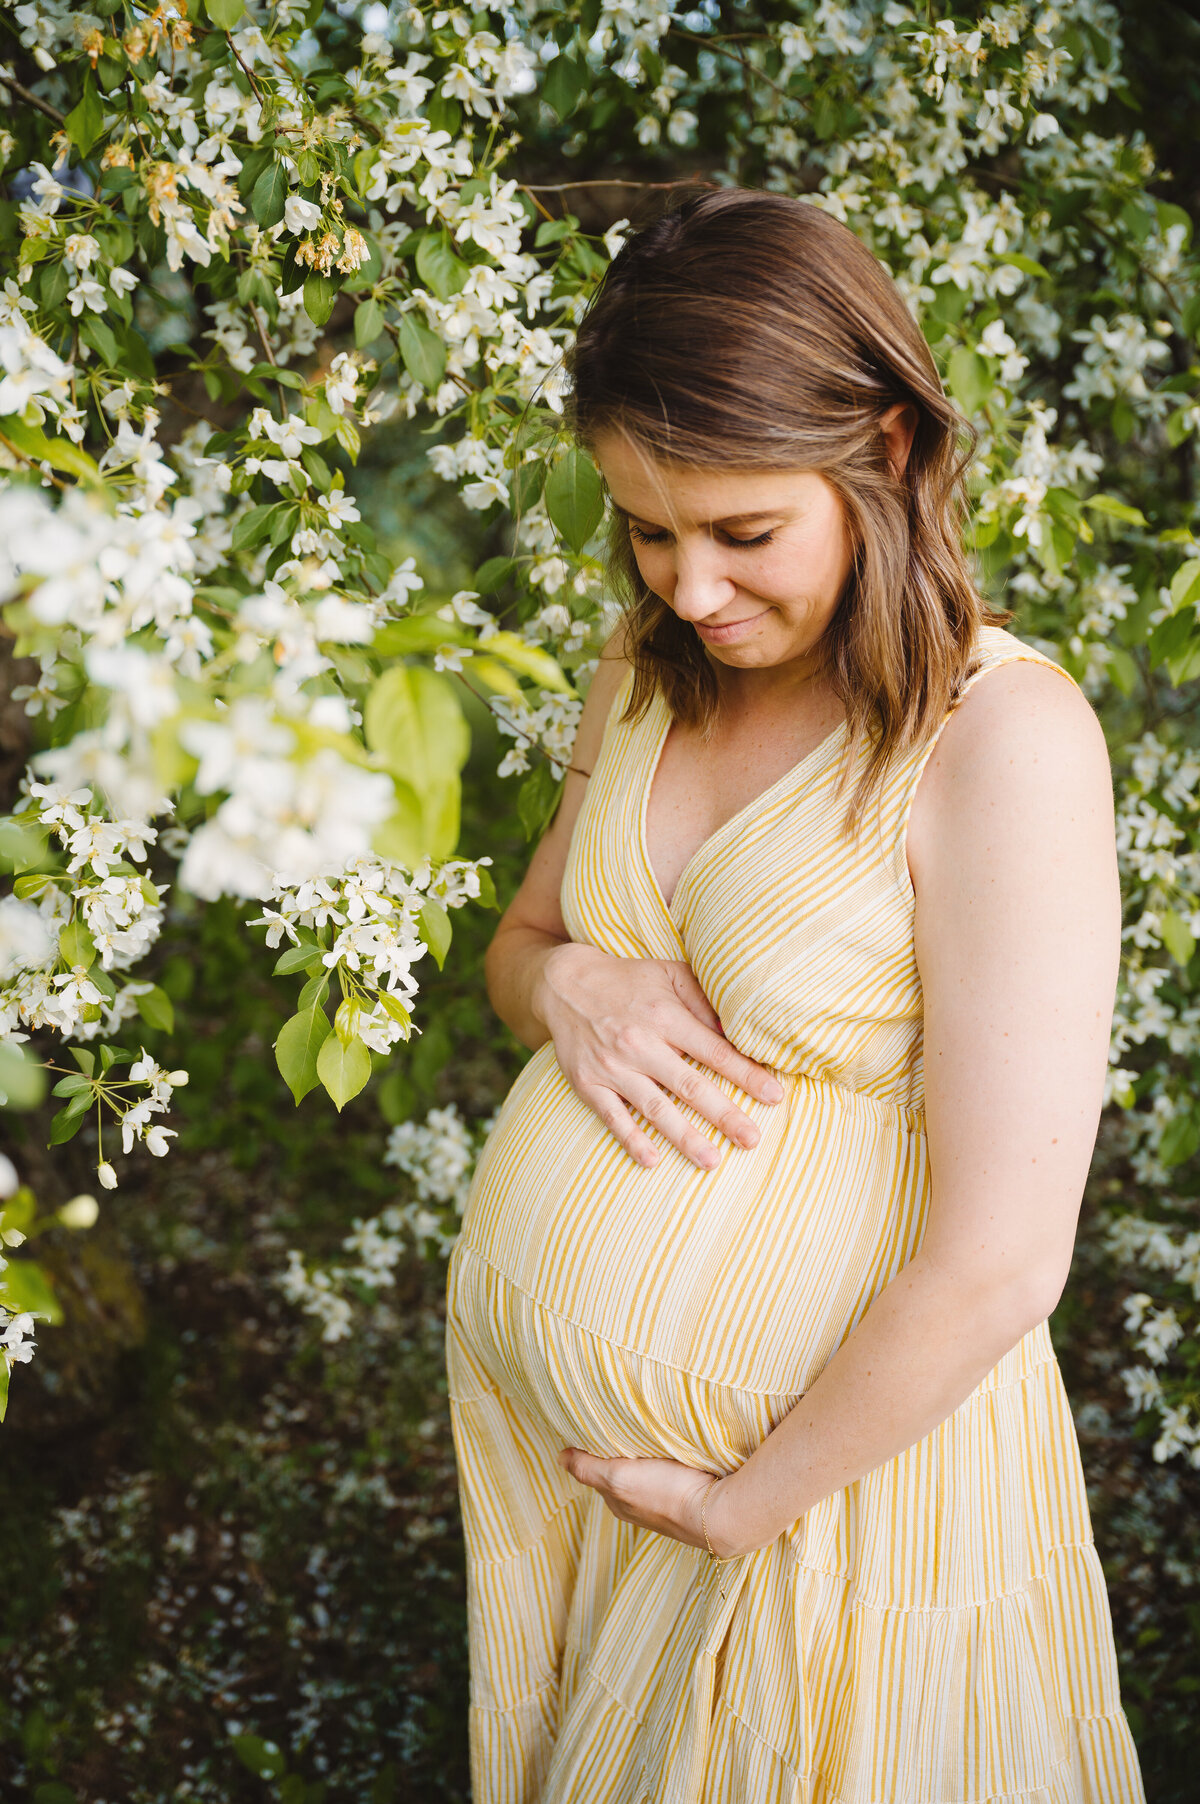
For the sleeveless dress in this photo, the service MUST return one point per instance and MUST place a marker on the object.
(936, 1633)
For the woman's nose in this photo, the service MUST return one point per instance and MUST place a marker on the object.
(701, 584)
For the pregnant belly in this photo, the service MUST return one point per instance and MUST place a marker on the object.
(748, 1276)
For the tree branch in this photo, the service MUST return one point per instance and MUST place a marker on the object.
(43, 106)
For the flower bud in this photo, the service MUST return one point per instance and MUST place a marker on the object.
(81, 1211)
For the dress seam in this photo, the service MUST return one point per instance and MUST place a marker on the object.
(507, 1559)
(1000, 1597)
(722, 1384)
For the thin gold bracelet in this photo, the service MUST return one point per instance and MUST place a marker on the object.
(720, 1558)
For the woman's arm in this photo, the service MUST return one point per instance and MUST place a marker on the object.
(619, 1025)
(1017, 933)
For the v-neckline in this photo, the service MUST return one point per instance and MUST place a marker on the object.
(655, 759)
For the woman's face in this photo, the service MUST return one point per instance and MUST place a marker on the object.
(755, 561)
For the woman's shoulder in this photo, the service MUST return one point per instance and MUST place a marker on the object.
(1020, 723)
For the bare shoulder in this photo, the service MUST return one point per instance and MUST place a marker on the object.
(1021, 760)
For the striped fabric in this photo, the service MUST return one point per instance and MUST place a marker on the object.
(937, 1633)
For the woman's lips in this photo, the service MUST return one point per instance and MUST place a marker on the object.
(729, 631)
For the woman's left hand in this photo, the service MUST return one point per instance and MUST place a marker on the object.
(659, 1494)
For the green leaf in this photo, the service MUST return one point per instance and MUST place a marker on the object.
(297, 958)
(537, 800)
(530, 660)
(253, 526)
(94, 332)
(1180, 1138)
(271, 372)
(76, 944)
(417, 633)
(970, 378)
(493, 573)
(269, 194)
(4, 1377)
(261, 1757)
(1176, 936)
(575, 498)
(52, 1791)
(1030, 265)
(320, 295)
(1116, 510)
(1185, 584)
(439, 268)
(300, 1040)
(315, 991)
(59, 453)
(423, 352)
(368, 323)
(413, 720)
(26, 1286)
(224, 13)
(22, 1078)
(344, 1070)
(1179, 427)
(1170, 638)
(1184, 666)
(67, 1123)
(74, 1084)
(156, 1009)
(487, 890)
(85, 121)
(436, 930)
(564, 85)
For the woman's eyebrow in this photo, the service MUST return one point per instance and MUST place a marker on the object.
(770, 513)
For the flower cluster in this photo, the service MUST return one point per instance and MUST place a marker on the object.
(438, 1157)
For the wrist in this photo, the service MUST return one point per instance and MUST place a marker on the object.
(716, 1526)
(547, 990)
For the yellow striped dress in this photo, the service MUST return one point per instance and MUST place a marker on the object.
(936, 1633)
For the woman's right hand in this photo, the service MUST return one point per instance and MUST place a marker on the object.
(620, 1027)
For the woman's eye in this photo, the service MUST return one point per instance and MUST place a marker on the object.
(658, 538)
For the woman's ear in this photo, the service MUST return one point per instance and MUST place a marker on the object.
(898, 426)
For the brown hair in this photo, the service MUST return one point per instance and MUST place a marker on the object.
(750, 330)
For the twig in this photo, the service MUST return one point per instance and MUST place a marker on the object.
(694, 37)
(249, 73)
(614, 181)
(33, 462)
(519, 731)
(43, 106)
(264, 340)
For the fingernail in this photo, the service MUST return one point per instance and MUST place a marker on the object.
(772, 1092)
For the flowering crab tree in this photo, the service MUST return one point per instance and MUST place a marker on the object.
(237, 238)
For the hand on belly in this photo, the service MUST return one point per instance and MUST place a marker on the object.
(658, 1494)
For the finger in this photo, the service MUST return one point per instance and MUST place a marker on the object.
(686, 986)
(692, 1086)
(675, 1128)
(715, 1051)
(620, 1123)
(585, 1468)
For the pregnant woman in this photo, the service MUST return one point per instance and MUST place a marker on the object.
(771, 1489)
